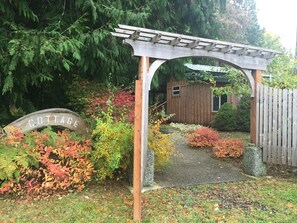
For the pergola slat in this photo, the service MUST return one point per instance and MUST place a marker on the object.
(173, 39)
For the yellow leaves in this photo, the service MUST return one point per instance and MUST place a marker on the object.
(161, 144)
(10, 220)
(289, 205)
(112, 141)
(292, 206)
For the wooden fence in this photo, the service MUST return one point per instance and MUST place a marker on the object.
(277, 125)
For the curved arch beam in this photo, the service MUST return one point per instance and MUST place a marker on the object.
(248, 74)
(152, 70)
(161, 51)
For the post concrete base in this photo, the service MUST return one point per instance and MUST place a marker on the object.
(150, 169)
(253, 161)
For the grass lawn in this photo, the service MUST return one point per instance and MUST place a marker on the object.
(245, 136)
(272, 199)
(264, 200)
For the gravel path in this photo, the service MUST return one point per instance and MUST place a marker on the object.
(191, 166)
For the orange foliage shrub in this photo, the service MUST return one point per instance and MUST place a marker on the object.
(203, 137)
(228, 148)
(61, 163)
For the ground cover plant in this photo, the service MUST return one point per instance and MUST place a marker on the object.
(266, 200)
(185, 128)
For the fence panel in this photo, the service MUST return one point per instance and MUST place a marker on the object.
(277, 125)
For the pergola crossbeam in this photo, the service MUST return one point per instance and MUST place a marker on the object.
(175, 41)
(192, 42)
(210, 47)
(242, 51)
(226, 49)
(156, 38)
(256, 53)
(135, 35)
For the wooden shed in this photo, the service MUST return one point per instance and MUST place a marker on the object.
(195, 103)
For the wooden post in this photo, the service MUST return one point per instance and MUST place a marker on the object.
(137, 152)
(137, 184)
(253, 126)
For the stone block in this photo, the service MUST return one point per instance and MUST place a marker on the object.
(149, 172)
(253, 161)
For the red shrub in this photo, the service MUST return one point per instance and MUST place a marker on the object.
(203, 137)
(122, 101)
(63, 163)
(228, 148)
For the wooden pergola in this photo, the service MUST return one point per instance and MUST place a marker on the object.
(162, 46)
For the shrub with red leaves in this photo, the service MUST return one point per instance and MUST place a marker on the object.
(122, 101)
(203, 137)
(63, 163)
(228, 148)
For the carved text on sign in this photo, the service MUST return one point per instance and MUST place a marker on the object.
(52, 120)
(49, 117)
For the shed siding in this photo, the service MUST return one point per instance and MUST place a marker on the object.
(194, 103)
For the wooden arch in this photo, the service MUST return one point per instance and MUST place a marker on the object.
(163, 46)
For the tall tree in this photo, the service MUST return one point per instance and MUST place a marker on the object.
(239, 23)
(43, 43)
(282, 67)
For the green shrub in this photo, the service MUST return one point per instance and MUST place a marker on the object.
(243, 114)
(16, 156)
(225, 120)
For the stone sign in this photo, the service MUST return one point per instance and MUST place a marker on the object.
(49, 117)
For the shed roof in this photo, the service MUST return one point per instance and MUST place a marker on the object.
(198, 69)
(205, 68)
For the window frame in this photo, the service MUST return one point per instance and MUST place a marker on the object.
(175, 92)
(220, 101)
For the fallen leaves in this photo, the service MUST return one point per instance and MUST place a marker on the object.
(128, 202)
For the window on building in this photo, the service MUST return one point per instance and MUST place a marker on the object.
(175, 90)
(218, 101)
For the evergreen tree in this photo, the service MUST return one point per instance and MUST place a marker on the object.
(43, 43)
